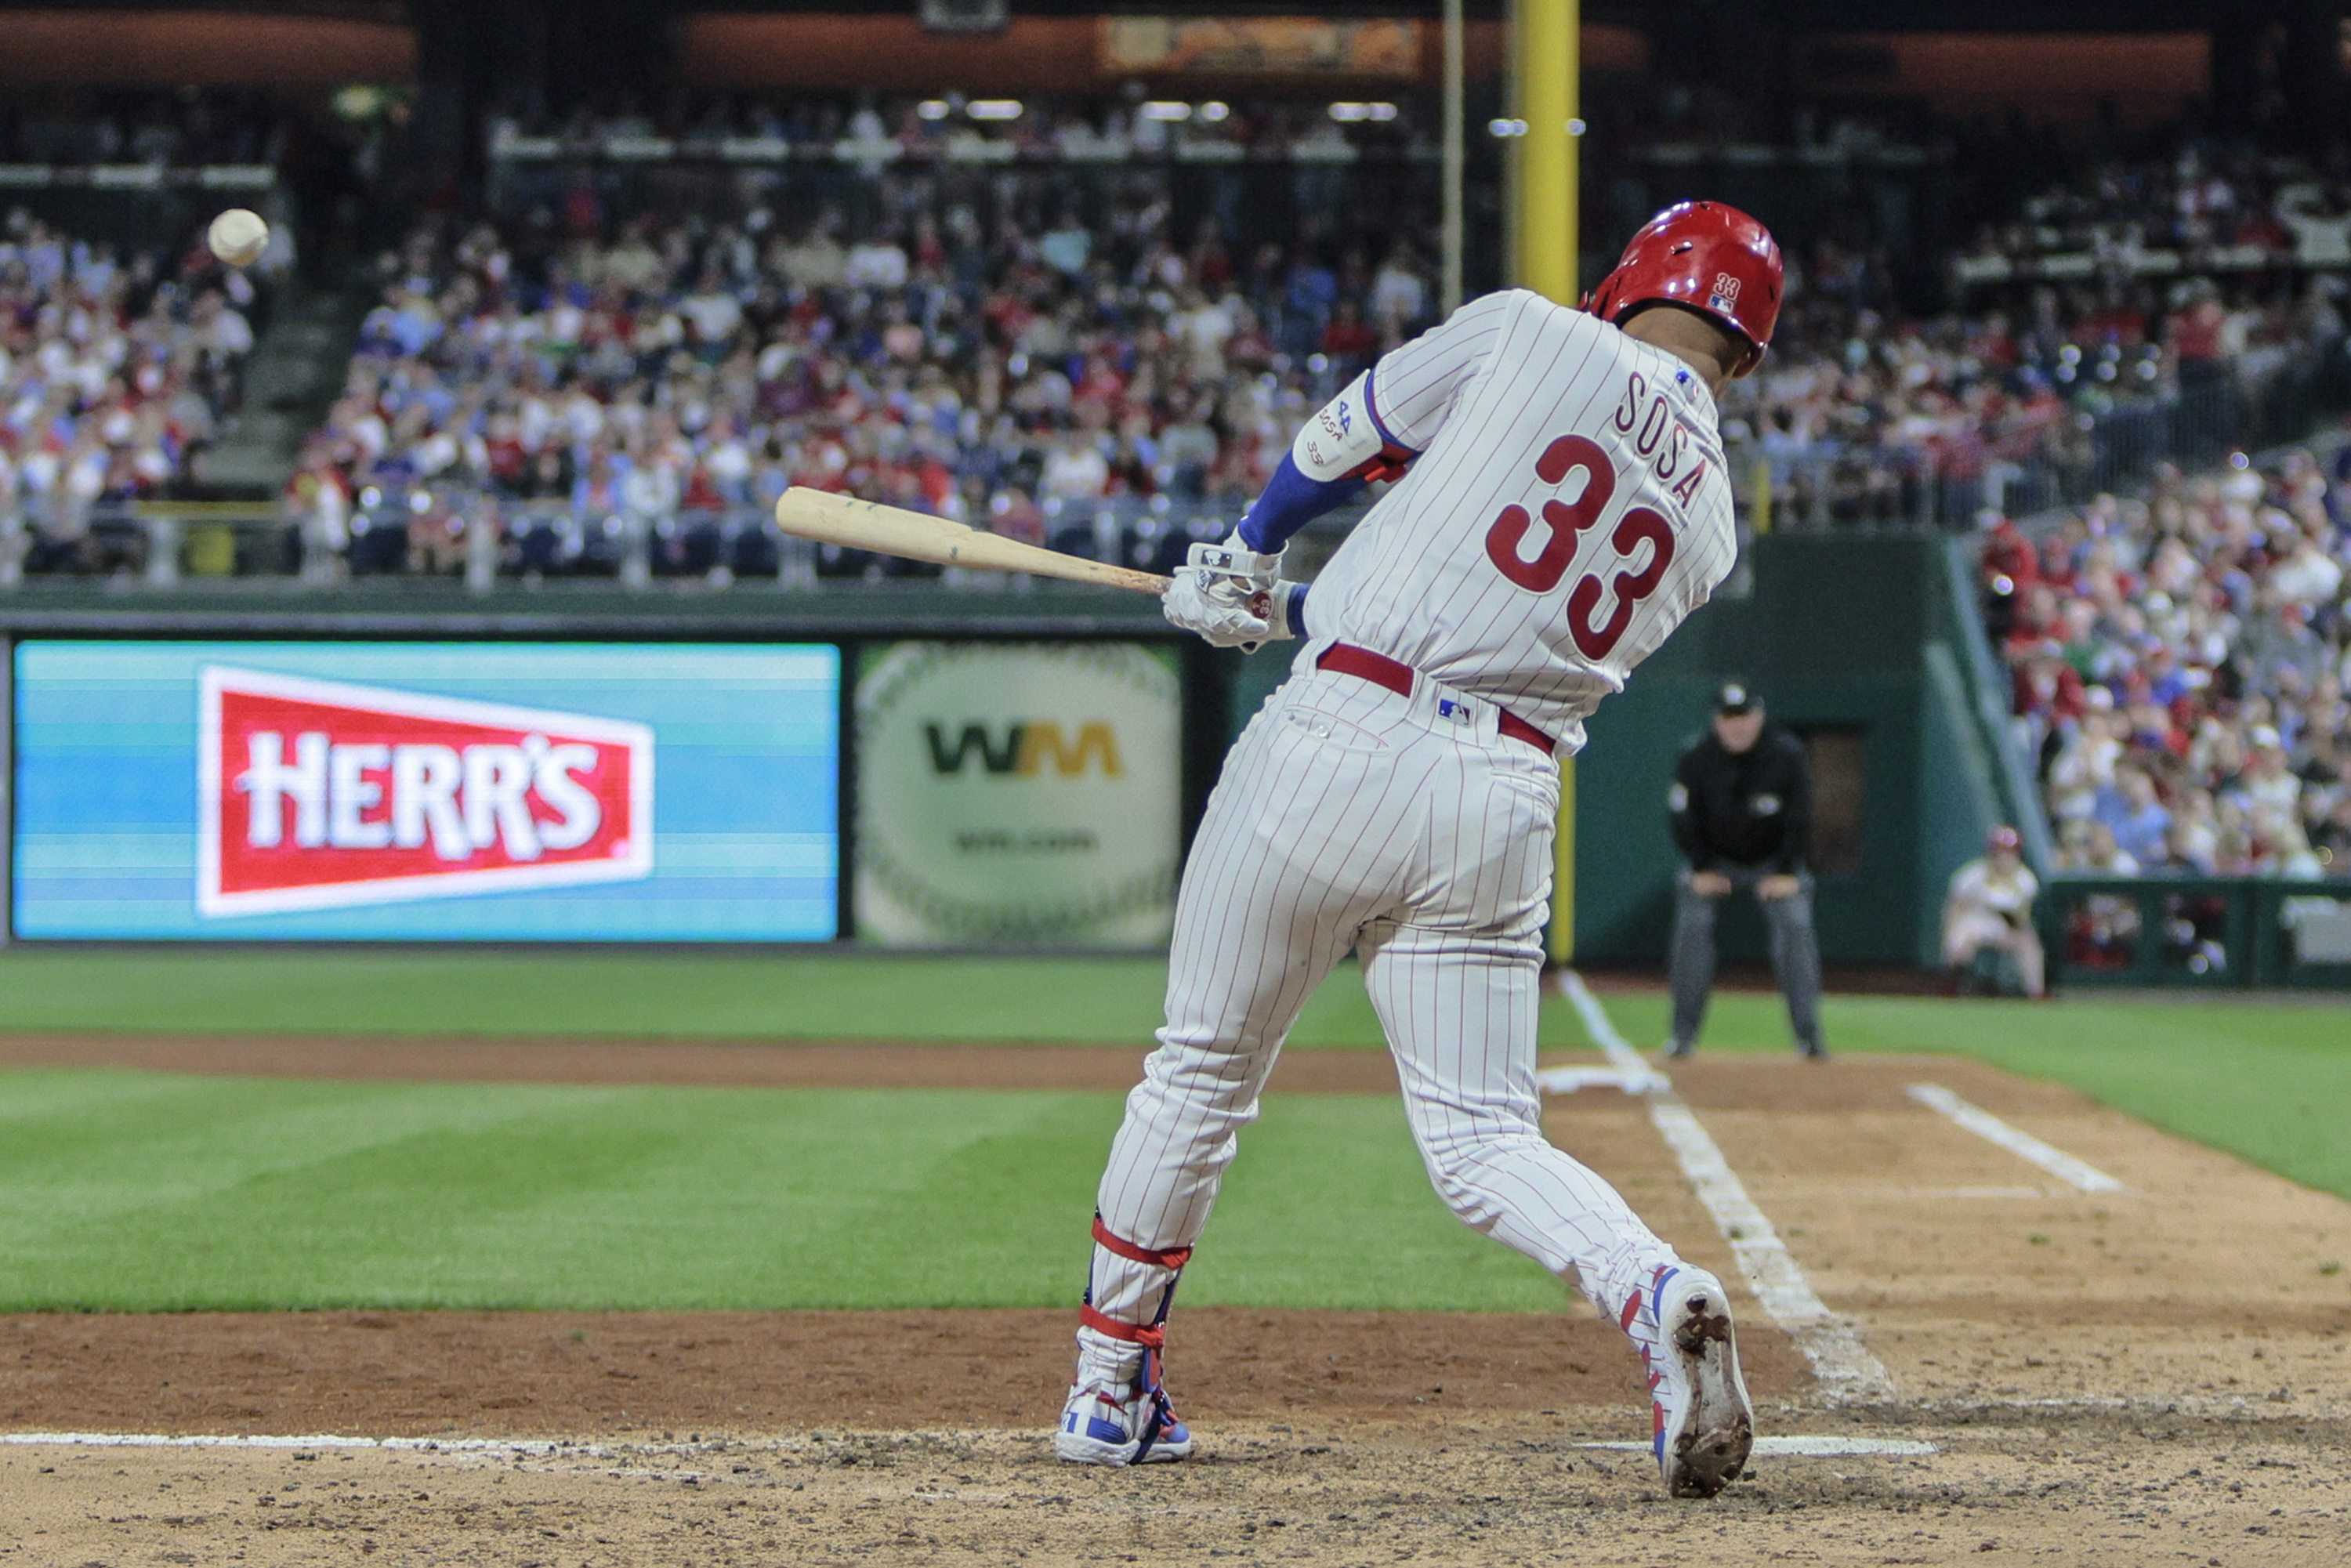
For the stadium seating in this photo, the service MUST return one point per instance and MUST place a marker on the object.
(616, 395)
(634, 407)
(2181, 663)
(115, 372)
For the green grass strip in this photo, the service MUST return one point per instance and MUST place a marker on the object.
(667, 995)
(143, 1192)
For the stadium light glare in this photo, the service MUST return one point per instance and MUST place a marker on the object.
(1213, 111)
(1380, 110)
(1348, 114)
(932, 108)
(1164, 108)
(1507, 126)
(994, 108)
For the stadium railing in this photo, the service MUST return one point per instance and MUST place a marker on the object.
(430, 531)
(2193, 931)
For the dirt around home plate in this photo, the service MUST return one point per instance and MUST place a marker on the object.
(2154, 1375)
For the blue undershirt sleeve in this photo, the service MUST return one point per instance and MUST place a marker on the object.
(1291, 501)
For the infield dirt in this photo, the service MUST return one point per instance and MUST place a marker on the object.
(2158, 1375)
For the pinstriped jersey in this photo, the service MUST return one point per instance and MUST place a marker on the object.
(1569, 508)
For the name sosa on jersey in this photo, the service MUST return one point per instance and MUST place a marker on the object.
(1660, 438)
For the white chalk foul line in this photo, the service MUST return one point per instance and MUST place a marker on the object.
(1797, 1448)
(319, 1440)
(2022, 1144)
(1830, 1342)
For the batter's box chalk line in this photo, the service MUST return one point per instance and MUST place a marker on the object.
(526, 1447)
(2015, 1140)
(1831, 1343)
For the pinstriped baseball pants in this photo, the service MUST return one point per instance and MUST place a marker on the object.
(1350, 816)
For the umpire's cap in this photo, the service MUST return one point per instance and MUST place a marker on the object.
(1737, 698)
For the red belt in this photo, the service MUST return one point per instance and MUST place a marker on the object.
(1382, 671)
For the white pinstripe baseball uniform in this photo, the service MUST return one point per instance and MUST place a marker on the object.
(1565, 508)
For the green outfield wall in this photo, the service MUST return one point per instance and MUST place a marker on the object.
(1859, 643)
(1855, 643)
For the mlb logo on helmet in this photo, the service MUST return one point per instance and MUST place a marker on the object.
(1725, 297)
(318, 794)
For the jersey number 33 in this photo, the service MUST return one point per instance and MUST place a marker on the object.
(1562, 461)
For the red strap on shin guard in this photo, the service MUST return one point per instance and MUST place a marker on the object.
(1172, 1258)
(1149, 1336)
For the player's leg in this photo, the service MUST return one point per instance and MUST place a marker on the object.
(1456, 978)
(2025, 944)
(1963, 937)
(1459, 1013)
(1691, 969)
(1297, 846)
(1304, 838)
(1796, 960)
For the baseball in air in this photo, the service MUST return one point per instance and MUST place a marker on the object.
(238, 237)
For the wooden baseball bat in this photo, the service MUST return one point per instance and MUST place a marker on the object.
(893, 530)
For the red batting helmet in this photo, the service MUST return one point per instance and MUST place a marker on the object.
(1705, 257)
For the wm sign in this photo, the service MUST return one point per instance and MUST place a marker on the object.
(1025, 749)
(1017, 794)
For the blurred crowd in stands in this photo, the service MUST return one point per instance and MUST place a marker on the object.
(115, 372)
(999, 374)
(2197, 198)
(682, 369)
(1865, 415)
(2179, 665)
(1026, 349)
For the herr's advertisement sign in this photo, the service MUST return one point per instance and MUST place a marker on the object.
(320, 795)
(433, 791)
(1018, 794)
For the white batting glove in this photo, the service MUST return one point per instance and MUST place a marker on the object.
(1234, 570)
(1228, 618)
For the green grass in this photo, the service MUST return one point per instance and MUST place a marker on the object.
(142, 1192)
(763, 996)
(2268, 1081)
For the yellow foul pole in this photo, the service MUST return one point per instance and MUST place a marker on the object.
(1543, 57)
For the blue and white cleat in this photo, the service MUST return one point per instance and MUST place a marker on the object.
(1135, 1424)
(1704, 1426)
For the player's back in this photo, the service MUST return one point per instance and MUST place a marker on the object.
(1569, 509)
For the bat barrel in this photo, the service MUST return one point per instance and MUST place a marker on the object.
(852, 524)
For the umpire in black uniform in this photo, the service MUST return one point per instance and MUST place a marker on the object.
(1741, 807)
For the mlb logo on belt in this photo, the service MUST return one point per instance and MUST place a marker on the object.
(318, 794)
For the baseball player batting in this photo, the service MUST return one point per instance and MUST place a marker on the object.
(1561, 506)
